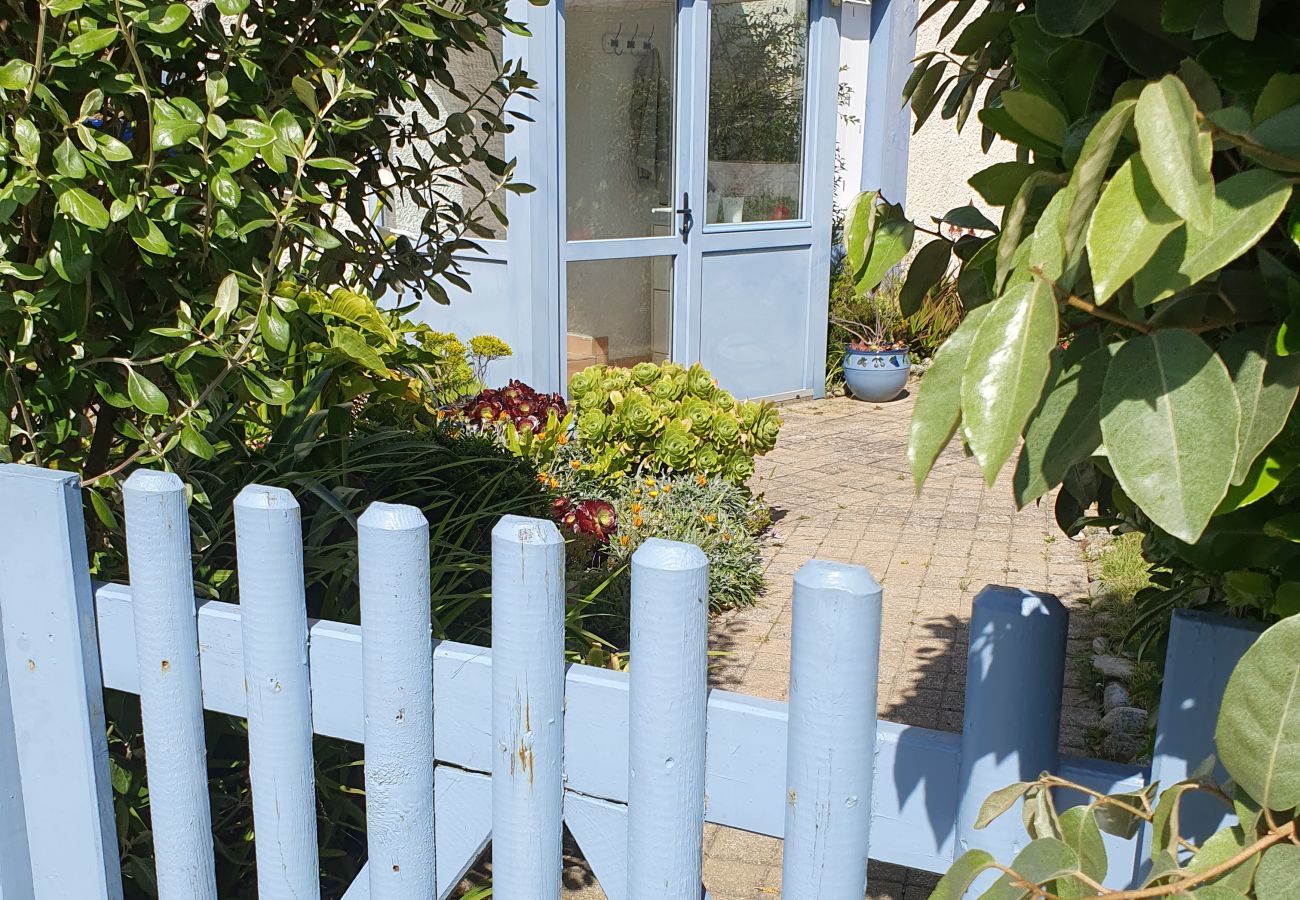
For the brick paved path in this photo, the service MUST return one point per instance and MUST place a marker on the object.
(839, 483)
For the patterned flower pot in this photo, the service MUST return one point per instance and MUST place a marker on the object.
(876, 376)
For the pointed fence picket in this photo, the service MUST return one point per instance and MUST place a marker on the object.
(470, 744)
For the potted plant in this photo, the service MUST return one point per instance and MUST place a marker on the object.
(876, 362)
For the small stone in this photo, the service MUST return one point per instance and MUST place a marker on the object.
(1125, 720)
(1113, 667)
(1100, 645)
(1114, 696)
(1122, 747)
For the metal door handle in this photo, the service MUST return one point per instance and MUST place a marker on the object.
(685, 212)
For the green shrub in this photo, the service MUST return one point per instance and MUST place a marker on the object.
(653, 417)
(720, 517)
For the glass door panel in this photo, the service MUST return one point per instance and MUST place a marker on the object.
(620, 99)
(619, 312)
(758, 62)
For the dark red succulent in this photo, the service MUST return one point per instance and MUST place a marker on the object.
(593, 519)
(516, 403)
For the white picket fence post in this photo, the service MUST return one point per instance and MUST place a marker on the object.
(397, 678)
(273, 607)
(834, 666)
(668, 692)
(527, 708)
(52, 662)
(171, 698)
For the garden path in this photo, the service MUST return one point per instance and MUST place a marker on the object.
(839, 486)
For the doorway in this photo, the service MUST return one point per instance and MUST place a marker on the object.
(687, 201)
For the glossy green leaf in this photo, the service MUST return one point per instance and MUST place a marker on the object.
(1176, 153)
(273, 327)
(1242, 17)
(927, 269)
(1281, 92)
(68, 161)
(938, 403)
(999, 183)
(1126, 229)
(146, 233)
(1079, 830)
(92, 41)
(173, 133)
(1266, 385)
(28, 138)
(1090, 173)
(167, 19)
(1065, 428)
(1278, 877)
(1001, 800)
(226, 300)
(963, 872)
(351, 344)
(1066, 18)
(84, 208)
(1246, 205)
(1013, 228)
(890, 243)
(859, 225)
(1260, 716)
(145, 394)
(15, 75)
(231, 7)
(1036, 114)
(1164, 393)
(226, 189)
(1005, 372)
(194, 441)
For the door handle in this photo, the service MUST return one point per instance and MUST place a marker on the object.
(688, 220)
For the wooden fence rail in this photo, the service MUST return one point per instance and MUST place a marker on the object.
(469, 744)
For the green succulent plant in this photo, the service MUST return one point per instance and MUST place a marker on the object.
(667, 417)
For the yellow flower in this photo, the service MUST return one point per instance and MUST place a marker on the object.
(636, 507)
(624, 540)
(555, 482)
(710, 518)
(726, 535)
(637, 521)
(654, 493)
(543, 477)
(575, 464)
(562, 440)
(701, 480)
(650, 481)
(636, 490)
(667, 488)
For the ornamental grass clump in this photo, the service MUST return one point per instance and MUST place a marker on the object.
(668, 417)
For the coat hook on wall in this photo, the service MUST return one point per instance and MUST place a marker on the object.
(631, 42)
(611, 41)
(648, 42)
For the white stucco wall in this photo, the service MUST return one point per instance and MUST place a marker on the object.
(940, 160)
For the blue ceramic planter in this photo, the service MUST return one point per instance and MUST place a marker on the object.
(876, 376)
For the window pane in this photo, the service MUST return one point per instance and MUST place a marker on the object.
(758, 52)
(474, 73)
(620, 312)
(619, 75)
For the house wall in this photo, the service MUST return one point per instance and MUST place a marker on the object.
(939, 160)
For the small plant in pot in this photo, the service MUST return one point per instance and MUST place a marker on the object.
(876, 364)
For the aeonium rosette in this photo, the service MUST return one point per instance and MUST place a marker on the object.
(591, 519)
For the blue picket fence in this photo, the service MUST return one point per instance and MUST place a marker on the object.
(466, 745)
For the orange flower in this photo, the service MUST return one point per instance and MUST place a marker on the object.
(575, 464)
(637, 521)
(636, 507)
(667, 488)
(562, 440)
(543, 477)
(701, 480)
(555, 482)
(624, 540)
